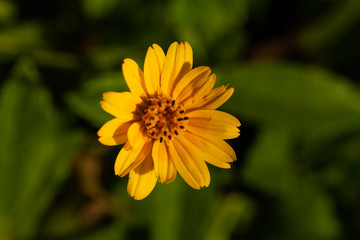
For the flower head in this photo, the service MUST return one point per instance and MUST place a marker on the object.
(168, 121)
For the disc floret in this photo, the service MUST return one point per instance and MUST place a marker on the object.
(164, 118)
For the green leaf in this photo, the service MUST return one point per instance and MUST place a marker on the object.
(115, 230)
(36, 151)
(197, 207)
(269, 165)
(86, 103)
(110, 57)
(233, 213)
(8, 11)
(304, 210)
(20, 39)
(292, 94)
(328, 29)
(164, 217)
(98, 8)
(204, 30)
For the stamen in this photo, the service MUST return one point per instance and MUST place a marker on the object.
(162, 118)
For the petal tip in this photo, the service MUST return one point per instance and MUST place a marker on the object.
(154, 45)
(102, 102)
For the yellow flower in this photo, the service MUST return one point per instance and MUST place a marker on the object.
(168, 121)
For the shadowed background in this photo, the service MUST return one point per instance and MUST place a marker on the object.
(295, 69)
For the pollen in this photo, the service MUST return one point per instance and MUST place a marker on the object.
(163, 118)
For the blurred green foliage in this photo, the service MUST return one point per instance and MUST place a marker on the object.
(35, 151)
(293, 64)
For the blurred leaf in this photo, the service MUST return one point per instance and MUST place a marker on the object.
(307, 212)
(111, 57)
(304, 210)
(20, 39)
(337, 168)
(8, 11)
(198, 206)
(36, 150)
(217, 21)
(233, 213)
(52, 58)
(62, 222)
(87, 103)
(164, 217)
(98, 8)
(28, 39)
(269, 165)
(329, 28)
(304, 97)
(114, 231)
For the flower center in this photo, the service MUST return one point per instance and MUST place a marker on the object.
(164, 118)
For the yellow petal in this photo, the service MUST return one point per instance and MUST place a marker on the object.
(189, 92)
(124, 159)
(213, 124)
(217, 97)
(186, 81)
(122, 105)
(210, 151)
(171, 172)
(145, 151)
(119, 113)
(134, 151)
(167, 74)
(123, 100)
(134, 77)
(164, 168)
(160, 56)
(140, 144)
(142, 179)
(152, 71)
(129, 158)
(179, 60)
(195, 159)
(137, 134)
(183, 64)
(213, 132)
(224, 146)
(213, 116)
(205, 88)
(182, 167)
(197, 89)
(114, 132)
(188, 55)
(178, 67)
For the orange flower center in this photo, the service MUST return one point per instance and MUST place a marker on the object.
(164, 118)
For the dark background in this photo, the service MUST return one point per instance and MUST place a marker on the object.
(295, 69)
